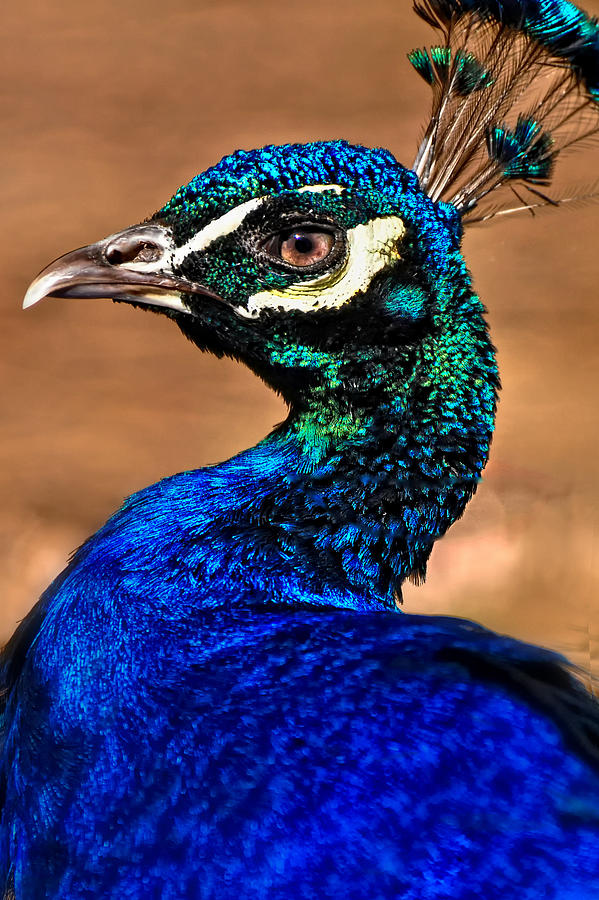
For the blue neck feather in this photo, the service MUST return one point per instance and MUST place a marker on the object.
(337, 506)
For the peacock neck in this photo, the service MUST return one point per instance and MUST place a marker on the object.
(383, 457)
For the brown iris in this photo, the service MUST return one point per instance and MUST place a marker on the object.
(302, 246)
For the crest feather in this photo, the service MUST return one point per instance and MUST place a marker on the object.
(514, 84)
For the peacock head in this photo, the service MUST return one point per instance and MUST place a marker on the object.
(313, 264)
(336, 274)
(327, 270)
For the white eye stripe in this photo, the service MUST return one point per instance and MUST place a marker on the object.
(218, 228)
(371, 247)
(321, 189)
(232, 220)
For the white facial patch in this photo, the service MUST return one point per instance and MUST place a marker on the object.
(321, 189)
(371, 247)
(218, 228)
(232, 220)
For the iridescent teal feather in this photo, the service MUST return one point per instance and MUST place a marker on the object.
(435, 65)
(421, 61)
(537, 62)
(566, 31)
(524, 153)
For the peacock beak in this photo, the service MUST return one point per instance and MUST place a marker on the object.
(134, 265)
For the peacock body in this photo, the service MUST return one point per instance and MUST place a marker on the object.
(218, 697)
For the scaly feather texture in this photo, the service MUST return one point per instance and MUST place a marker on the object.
(218, 697)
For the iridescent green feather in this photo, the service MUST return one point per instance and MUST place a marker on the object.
(437, 67)
(524, 152)
(538, 65)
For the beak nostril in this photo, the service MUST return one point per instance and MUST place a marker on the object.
(114, 256)
(132, 250)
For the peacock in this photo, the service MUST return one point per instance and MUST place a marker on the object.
(220, 696)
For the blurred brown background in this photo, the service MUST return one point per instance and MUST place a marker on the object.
(106, 109)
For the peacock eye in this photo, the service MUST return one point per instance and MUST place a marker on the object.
(300, 246)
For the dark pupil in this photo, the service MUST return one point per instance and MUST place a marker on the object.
(303, 243)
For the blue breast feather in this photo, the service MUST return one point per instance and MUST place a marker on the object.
(264, 751)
